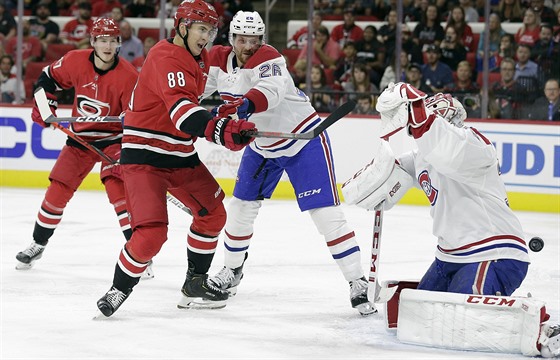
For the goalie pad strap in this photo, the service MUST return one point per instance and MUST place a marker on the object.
(470, 322)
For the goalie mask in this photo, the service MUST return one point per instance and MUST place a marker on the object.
(447, 107)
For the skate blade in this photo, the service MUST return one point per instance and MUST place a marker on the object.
(24, 266)
(99, 316)
(366, 309)
(199, 303)
(147, 275)
(232, 291)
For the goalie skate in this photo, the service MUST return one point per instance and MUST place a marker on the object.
(201, 293)
(27, 257)
(550, 341)
(359, 297)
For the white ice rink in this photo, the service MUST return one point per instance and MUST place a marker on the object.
(292, 304)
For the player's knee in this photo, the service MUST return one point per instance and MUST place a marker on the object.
(58, 194)
(114, 188)
(146, 241)
(211, 223)
(241, 216)
(329, 220)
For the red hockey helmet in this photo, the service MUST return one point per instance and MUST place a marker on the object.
(196, 11)
(105, 27)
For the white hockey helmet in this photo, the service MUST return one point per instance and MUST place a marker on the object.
(447, 107)
(246, 23)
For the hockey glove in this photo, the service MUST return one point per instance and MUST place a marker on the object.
(229, 133)
(238, 106)
(36, 115)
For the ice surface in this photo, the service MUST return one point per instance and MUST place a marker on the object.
(292, 303)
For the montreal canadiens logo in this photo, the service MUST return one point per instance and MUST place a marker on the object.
(426, 184)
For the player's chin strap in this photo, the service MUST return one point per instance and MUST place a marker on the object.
(103, 61)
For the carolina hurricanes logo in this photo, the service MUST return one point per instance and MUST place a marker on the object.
(92, 107)
(426, 184)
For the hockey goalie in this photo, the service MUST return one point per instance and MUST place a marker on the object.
(464, 300)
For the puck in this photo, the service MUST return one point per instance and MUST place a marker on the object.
(536, 244)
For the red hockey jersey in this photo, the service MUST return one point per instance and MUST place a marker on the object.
(165, 117)
(97, 93)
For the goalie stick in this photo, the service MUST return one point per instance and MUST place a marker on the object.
(45, 111)
(336, 115)
(381, 294)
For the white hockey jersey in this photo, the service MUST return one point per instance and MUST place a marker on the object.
(279, 105)
(458, 170)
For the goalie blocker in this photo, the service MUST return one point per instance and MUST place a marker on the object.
(503, 324)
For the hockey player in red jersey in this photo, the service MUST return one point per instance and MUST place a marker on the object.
(252, 77)
(103, 84)
(158, 155)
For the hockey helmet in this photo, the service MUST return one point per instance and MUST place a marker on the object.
(246, 23)
(105, 27)
(447, 107)
(196, 11)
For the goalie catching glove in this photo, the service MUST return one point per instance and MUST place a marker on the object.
(36, 114)
(382, 180)
(229, 133)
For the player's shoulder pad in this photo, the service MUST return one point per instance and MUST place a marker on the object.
(264, 54)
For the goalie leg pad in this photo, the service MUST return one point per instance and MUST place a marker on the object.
(470, 322)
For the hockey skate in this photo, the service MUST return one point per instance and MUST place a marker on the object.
(27, 257)
(228, 279)
(111, 301)
(201, 293)
(550, 341)
(359, 297)
(149, 272)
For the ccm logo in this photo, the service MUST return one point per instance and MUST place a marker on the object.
(395, 189)
(488, 300)
(309, 193)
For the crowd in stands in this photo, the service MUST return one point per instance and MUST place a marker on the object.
(349, 62)
(524, 66)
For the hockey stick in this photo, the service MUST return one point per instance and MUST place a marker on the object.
(381, 294)
(45, 111)
(336, 115)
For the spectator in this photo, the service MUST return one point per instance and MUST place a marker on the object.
(419, 8)
(507, 50)
(387, 32)
(42, 27)
(547, 107)
(510, 11)
(463, 85)
(545, 14)
(429, 30)
(372, 52)
(299, 39)
(389, 76)
(546, 53)
(51, 4)
(507, 92)
(117, 14)
(495, 36)
(557, 27)
(414, 78)
(149, 42)
(170, 8)
(8, 24)
(412, 48)
(104, 8)
(359, 83)
(452, 51)
(471, 15)
(8, 81)
(527, 73)
(132, 46)
(364, 106)
(32, 50)
(436, 73)
(343, 70)
(464, 32)
(144, 8)
(348, 30)
(233, 6)
(320, 94)
(77, 31)
(325, 50)
(528, 33)
(299, 73)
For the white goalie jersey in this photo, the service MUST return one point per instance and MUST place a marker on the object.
(458, 170)
(279, 105)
